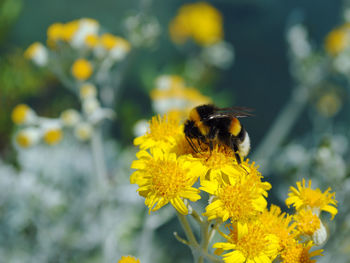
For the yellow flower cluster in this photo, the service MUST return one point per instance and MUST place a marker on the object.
(33, 128)
(168, 170)
(128, 259)
(83, 35)
(172, 95)
(199, 21)
(338, 39)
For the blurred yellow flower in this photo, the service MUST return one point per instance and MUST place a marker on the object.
(236, 195)
(54, 34)
(297, 252)
(53, 136)
(82, 69)
(83, 131)
(306, 198)
(128, 259)
(91, 41)
(22, 114)
(162, 133)
(250, 243)
(163, 178)
(329, 104)
(69, 29)
(27, 137)
(109, 41)
(338, 39)
(199, 21)
(70, 117)
(87, 90)
(37, 52)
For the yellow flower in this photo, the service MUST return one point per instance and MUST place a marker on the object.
(220, 159)
(87, 91)
(82, 69)
(307, 223)
(299, 253)
(237, 195)
(250, 243)
(53, 136)
(337, 40)
(128, 259)
(37, 53)
(164, 178)
(108, 41)
(83, 131)
(54, 34)
(278, 223)
(329, 104)
(201, 21)
(307, 198)
(27, 137)
(91, 40)
(70, 117)
(69, 29)
(162, 133)
(22, 114)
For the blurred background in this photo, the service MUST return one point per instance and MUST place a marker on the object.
(277, 57)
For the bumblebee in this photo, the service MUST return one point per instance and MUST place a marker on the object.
(209, 124)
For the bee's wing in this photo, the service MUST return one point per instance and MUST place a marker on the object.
(235, 112)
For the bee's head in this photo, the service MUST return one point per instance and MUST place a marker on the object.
(189, 128)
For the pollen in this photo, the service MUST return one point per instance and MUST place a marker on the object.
(82, 69)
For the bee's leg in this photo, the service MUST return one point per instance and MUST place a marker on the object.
(234, 147)
(238, 157)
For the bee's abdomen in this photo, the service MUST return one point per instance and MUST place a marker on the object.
(243, 142)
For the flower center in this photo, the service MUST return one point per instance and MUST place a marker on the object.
(253, 243)
(167, 178)
(237, 199)
(218, 158)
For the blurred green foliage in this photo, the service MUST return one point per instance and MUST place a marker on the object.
(15, 70)
(9, 12)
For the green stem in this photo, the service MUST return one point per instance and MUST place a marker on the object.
(98, 155)
(193, 244)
